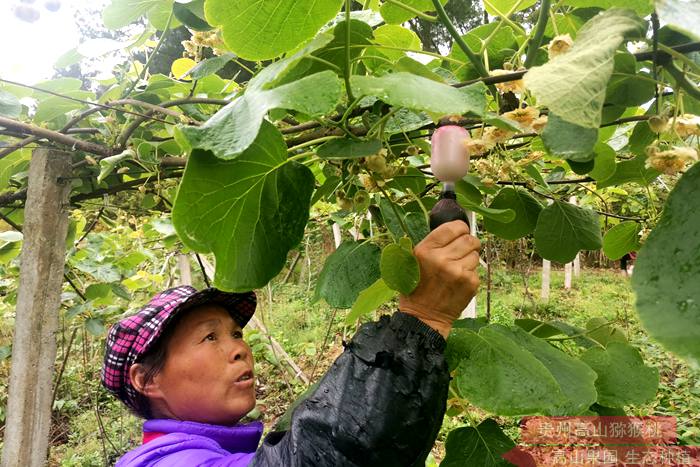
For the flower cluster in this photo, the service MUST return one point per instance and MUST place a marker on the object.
(509, 86)
(202, 39)
(670, 161)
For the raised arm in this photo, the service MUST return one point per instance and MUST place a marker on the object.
(383, 400)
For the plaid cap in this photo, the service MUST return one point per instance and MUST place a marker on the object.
(132, 337)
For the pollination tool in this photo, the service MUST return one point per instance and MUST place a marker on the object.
(449, 163)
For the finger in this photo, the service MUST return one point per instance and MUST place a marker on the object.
(446, 233)
(470, 262)
(461, 247)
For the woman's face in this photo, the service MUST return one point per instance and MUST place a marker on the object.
(208, 373)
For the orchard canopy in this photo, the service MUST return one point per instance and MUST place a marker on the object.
(278, 109)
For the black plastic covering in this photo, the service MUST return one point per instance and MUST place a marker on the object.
(380, 404)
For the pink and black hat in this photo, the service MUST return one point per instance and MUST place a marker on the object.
(134, 336)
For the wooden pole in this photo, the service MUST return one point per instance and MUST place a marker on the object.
(470, 310)
(183, 262)
(567, 275)
(546, 275)
(577, 265)
(38, 300)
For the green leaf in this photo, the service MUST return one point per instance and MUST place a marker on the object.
(621, 239)
(416, 93)
(257, 30)
(573, 85)
(393, 35)
(604, 332)
(96, 291)
(9, 251)
(642, 7)
(399, 268)
(95, 327)
(249, 212)
(54, 107)
(232, 129)
(623, 379)
(681, 15)
(461, 342)
(526, 208)
(630, 171)
(13, 163)
(346, 148)
(369, 300)
(506, 7)
(9, 105)
(413, 180)
(538, 328)
(209, 66)
(510, 372)
(121, 13)
(191, 15)
(482, 446)
(352, 268)
(568, 140)
(5, 352)
(564, 229)
(394, 14)
(666, 274)
(500, 43)
(604, 162)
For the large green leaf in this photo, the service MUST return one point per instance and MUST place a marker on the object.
(352, 268)
(482, 446)
(121, 13)
(642, 7)
(249, 212)
(9, 105)
(369, 300)
(621, 239)
(417, 93)
(564, 229)
(261, 30)
(11, 164)
(394, 14)
(573, 85)
(510, 372)
(604, 162)
(231, 130)
(526, 208)
(568, 140)
(666, 275)
(681, 15)
(347, 148)
(501, 45)
(399, 268)
(623, 379)
(506, 7)
(630, 171)
(393, 35)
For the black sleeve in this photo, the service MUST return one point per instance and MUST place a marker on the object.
(380, 404)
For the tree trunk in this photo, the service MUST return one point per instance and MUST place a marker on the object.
(38, 300)
(183, 262)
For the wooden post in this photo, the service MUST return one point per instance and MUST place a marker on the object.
(546, 274)
(38, 300)
(567, 275)
(577, 265)
(470, 310)
(183, 262)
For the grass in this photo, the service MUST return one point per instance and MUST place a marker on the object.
(302, 328)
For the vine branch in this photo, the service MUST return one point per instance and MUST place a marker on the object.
(536, 40)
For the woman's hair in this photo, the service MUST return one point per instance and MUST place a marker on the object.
(153, 362)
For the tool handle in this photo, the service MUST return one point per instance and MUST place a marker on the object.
(447, 210)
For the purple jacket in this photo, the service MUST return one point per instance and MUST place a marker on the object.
(185, 444)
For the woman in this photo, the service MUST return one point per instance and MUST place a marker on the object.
(181, 364)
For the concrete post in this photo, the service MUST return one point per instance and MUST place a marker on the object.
(38, 300)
